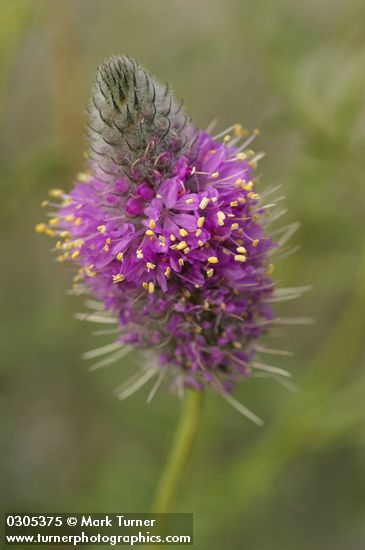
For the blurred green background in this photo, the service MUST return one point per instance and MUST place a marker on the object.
(294, 69)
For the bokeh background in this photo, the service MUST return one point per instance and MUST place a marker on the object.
(294, 69)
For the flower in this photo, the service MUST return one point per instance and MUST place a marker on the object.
(167, 232)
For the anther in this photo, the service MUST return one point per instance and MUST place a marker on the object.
(40, 228)
(56, 193)
(118, 278)
(181, 245)
(204, 203)
(221, 217)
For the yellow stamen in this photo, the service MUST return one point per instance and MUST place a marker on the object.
(150, 266)
(186, 250)
(75, 254)
(120, 256)
(247, 186)
(56, 193)
(40, 228)
(101, 229)
(172, 237)
(240, 258)
(61, 258)
(237, 130)
(44, 203)
(210, 272)
(150, 233)
(183, 232)
(215, 175)
(84, 177)
(255, 242)
(139, 254)
(198, 232)
(234, 226)
(145, 285)
(118, 278)
(189, 201)
(200, 221)
(221, 217)
(204, 203)
(181, 262)
(89, 271)
(151, 287)
(181, 245)
(167, 272)
(78, 221)
(152, 224)
(213, 260)
(241, 249)
(227, 138)
(233, 203)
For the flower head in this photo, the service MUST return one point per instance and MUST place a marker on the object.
(166, 230)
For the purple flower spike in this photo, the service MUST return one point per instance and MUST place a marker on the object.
(166, 231)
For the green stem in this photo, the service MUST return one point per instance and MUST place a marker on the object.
(180, 452)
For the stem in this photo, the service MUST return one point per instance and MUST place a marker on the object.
(180, 452)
